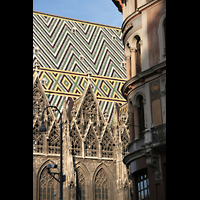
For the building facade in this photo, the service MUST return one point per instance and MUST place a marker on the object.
(144, 39)
(92, 151)
(79, 67)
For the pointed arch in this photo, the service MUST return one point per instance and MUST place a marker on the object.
(81, 184)
(82, 177)
(91, 144)
(40, 101)
(84, 168)
(102, 179)
(107, 147)
(125, 142)
(37, 138)
(76, 141)
(54, 139)
(101, 185)
(46, 184)
(87, 108)
(107, 170)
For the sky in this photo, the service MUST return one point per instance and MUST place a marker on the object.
(98, 11)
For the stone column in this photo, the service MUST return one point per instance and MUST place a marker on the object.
(133, 62)
(136, 122)
(128, 67)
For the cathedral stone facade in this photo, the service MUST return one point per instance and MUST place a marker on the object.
(92, 151)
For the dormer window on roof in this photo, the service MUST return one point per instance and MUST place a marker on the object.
(74, 29)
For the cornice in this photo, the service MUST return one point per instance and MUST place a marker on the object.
(76, 20)
(142, 75)
(133, 156)
(118, 4)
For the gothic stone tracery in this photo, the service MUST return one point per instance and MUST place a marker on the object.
(88, 142)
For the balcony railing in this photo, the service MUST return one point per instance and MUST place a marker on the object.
(158, 132)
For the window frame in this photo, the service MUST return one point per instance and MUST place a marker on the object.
(162, 38)
(140, 189)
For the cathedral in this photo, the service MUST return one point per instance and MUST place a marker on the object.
(107, 86)
(75, 68)
(92, 151)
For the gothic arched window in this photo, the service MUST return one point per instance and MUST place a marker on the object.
(107, 145)
(80, 184)
(37, 139)
(54, 140)
(76, 142)
(125, 141)
(91, 144)
(101, 185)
(47, 186)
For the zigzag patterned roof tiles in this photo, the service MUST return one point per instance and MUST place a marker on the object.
(68, 48)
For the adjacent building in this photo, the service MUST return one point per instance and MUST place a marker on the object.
(144, 39)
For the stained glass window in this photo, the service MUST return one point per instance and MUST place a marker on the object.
(107, 145)
(101, 186)
(80, 184)
(47, 186)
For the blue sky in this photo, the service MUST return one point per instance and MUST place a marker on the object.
(98, 11)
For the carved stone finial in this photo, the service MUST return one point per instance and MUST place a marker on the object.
(37, 50)
(73, 112)
(89, 73)
(123, 117)
(36, 64)
(89, 112)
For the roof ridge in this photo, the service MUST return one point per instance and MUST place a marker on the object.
(77, 20)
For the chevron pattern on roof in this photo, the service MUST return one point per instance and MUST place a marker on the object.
(68, 45)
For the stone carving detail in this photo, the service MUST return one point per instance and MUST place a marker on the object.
(101, 185)
(91, 146)
(76, 142)
(125, 141)
(107, 145)
(88, 124)
(153, 161)
(89, 112)
(37, 139)
(47, 186)
(87, 139)
(40, 143)
(54, 140)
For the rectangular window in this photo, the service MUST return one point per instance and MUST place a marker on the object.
(142, 185)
